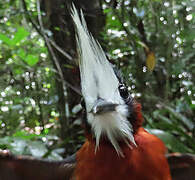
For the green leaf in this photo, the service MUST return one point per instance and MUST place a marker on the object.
(5, 39)
(37, 149)
(150, 61)
(21, 53)
(18, 70)
(20, 35)
(31, 59)
(189, 35)
(170, 141)
(107, 10)
(54, 156)
(57, 28)
(18, 146)
(25, 135)
(180, 117)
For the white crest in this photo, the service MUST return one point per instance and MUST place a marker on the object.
(99, 80)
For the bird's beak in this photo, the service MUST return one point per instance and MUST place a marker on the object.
(101, 106)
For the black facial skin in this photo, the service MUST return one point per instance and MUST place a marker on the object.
(84, 117)
(123, 91)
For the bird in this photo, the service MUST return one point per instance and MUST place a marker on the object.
(116, 146)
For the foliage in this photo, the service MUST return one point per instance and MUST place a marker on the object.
(40, 146)
(152, 42)
(146, 35)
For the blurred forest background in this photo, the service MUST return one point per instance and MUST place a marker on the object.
(151, 41)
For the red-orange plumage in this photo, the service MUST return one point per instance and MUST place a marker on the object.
(144, 162)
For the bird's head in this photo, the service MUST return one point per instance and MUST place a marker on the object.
(106, 98)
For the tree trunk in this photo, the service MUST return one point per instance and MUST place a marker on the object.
(59, 22)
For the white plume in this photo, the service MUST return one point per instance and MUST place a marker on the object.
(99, 80)
(97, 75)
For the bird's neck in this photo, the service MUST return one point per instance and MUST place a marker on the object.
(136, 118)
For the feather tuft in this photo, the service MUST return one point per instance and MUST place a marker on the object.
(98, 80)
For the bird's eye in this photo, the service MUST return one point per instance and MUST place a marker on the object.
(123, 91)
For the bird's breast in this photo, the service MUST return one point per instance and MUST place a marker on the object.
(144, 162)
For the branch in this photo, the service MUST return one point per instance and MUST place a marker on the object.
(182, 166)
(54, 59)
(41, 32)
(26, 167)
(50, 42)
(60, 49)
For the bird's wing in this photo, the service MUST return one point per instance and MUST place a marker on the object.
(27, 168)
(182, 166)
